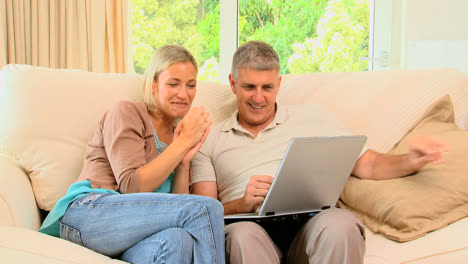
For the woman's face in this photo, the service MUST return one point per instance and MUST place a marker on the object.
(175, 89)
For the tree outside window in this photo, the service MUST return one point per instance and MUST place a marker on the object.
(309, 35)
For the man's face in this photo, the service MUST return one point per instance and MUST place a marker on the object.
(256, 96)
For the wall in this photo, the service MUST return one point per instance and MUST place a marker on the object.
(423, 33)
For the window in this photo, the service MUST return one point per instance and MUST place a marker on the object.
(309, 35)
(193, 24)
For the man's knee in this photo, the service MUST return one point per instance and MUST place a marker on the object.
(336, 224)
(332, 236)
(248, 242)
(241, 232)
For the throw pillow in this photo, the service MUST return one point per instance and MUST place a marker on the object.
(407, 208)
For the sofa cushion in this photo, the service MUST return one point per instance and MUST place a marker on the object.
(19, 245)
(48, 115)
(17, 202)
(445, 245)
(217, 98)
(407, 208)
(384, 105)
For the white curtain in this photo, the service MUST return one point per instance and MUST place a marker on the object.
(92, 35)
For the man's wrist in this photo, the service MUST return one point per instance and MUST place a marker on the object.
(183, 166)
(234, 207)
(411, 166)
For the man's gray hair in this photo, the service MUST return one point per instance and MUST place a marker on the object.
(255, 55)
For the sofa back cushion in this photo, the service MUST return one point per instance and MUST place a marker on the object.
(47, 117)
(382, 105)
(217, 99)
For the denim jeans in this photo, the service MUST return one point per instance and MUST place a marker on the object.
(148, 227)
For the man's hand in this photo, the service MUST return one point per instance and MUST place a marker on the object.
(255, 193)
(423, 149)
(378, 166)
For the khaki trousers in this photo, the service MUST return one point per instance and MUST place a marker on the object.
(332, 236)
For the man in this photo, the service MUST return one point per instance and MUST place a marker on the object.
(240, 155)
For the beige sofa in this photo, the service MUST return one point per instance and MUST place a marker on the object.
(47, 116)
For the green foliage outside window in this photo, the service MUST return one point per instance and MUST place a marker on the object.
(159, 22)
(309, 35)
(279, 23)
(342, 38)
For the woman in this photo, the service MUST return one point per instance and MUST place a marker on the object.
(121, 204)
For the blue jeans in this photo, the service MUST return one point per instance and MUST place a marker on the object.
(148, 227)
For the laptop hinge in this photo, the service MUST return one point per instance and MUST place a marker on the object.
(270, 213)
(325, 207)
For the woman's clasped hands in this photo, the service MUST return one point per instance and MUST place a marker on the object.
(193, 130)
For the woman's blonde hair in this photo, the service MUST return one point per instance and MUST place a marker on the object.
(162, 58)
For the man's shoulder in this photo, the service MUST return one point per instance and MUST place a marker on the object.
(220, 125)
(224, 125)
(219, 133)
(216, 130)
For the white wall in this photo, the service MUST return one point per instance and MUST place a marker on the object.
(423, 33)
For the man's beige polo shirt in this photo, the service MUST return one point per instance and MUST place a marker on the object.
(231, 154)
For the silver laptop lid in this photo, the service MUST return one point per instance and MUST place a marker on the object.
(312, 174)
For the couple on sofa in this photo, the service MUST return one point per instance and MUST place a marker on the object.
(131, 199)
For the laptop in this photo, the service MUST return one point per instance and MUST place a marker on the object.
(310, 178)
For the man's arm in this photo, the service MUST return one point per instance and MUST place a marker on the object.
(203, 171)
(236, 206)
(378, 166)
(205, 188)
(210, 189)
(254, 195)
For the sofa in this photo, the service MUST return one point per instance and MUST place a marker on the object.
(48, 115)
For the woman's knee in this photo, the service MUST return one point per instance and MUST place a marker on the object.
(213, 206)
(171, 239)
(172, 245)
(180, 238)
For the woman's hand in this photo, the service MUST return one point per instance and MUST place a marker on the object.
(193, 151)
(194, 129)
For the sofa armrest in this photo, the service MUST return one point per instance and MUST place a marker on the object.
(17, 202)
(19, 245)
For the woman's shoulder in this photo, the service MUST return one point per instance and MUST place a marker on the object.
(128, 108)
(126, 105)
(127, 112)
